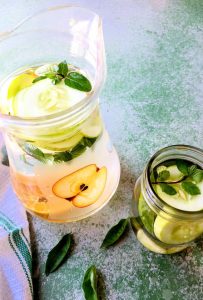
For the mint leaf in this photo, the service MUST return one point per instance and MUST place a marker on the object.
(36, 152)
(167, 189)
(163, 175)
(190, 188)
(62, 156)
(115, 233)
(78, 81)
(89, 141)
(182, 166)
(89, 284)
(39, 78)
(197, 175)
(192, 169)
(147, 215)
(63, 68)
(58, 254)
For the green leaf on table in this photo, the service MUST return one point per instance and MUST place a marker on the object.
(182, 166)
(59, 254)
(78, 81)
(163, 175)
(166, 188)
(190, 188)
(115, 233)
(89, 284)
(39, 78)
(197, 175)
(63, 68)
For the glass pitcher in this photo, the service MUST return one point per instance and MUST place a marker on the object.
(63, 166)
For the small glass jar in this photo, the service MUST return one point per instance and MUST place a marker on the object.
(158, 226)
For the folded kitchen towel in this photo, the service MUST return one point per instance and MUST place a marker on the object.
(15, 254)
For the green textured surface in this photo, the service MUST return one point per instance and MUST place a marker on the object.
(152, 98)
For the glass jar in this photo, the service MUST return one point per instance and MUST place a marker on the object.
(63, 166)
(159, 226)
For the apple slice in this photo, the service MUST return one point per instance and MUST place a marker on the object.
(83, 187)
(93, 191)
(72, 184)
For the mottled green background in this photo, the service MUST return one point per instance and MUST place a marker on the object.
(152, 98)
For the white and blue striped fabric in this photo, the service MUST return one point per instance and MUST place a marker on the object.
(15, 253)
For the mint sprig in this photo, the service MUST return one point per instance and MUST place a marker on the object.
(71, 77)
(58, 157)
(192, 175)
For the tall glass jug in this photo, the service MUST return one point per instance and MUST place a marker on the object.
(63, 166)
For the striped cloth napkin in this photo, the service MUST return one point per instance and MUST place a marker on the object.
(15, 254)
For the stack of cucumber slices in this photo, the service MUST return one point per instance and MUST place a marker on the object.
(49, 89)
(178, 183)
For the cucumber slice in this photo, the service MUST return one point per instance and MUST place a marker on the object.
(150, 244)
(44, 98)
(175, 174)
(64, 145)
(182, 200)
(146, 214)
(177, 232)
(92, 127)
(48, 68)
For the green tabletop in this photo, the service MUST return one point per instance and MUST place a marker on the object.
(152, 98)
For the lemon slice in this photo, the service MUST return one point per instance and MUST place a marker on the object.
(20, 82)
(171, 232)
(39, 208)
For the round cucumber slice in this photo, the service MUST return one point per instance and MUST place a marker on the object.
(181, 200)
(63, 145)
(48, 68)
(93, 126)
(179, 232)
(44, 98)
(175, 174)
(150, 244)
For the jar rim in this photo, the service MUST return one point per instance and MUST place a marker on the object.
(87, 101)
(157, 202)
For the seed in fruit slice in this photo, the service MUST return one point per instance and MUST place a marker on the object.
(94, 190)
(82, 187)
(20, 82)
(177, 232)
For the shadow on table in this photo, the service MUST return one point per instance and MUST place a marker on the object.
(35, 260)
